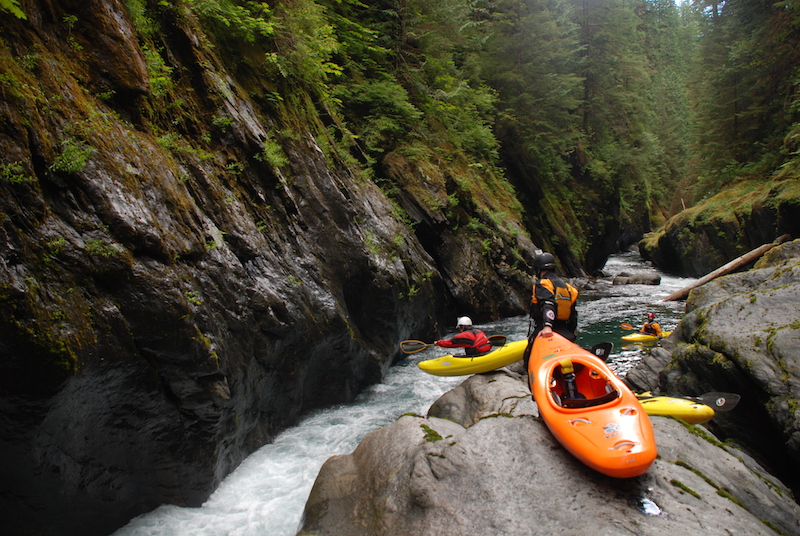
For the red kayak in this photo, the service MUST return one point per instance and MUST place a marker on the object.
(589, 410)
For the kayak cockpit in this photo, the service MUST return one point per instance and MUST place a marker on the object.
(579, 385)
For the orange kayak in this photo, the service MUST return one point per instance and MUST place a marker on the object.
(589, 410)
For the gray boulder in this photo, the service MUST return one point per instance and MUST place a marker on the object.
(503, 473)
(486, 394)
(637, 279)
(741, 333)
(645, 375)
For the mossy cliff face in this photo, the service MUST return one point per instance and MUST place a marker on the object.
(183, 274)
(735, 221)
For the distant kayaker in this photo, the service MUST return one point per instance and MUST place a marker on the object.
(552, 303)
(651, 327)
(472, 340)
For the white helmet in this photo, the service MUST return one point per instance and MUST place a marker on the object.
(464, 321)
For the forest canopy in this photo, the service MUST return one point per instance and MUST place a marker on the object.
(608, 115)
(645, 100)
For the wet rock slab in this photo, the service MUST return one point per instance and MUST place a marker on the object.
(741, 334)
(500, 471)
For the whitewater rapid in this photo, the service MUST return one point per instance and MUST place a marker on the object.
(266, 494)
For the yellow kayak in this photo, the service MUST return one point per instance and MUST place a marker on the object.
(644, 337)
(452, 365)
(684, 409)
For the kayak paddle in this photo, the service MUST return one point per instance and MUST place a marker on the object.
(625, 325)
(602, 350)
(412, 346)
(717, 401)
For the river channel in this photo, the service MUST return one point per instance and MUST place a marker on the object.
(266, 494)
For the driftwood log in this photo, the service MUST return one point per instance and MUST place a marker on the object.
(735, 264)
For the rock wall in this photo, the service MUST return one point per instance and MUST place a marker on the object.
(483, 463)
(741, 333)
(702, 238)
(171, 297)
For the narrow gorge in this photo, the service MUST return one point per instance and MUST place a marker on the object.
(219, 215)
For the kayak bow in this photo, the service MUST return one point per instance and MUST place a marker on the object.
(684, 409)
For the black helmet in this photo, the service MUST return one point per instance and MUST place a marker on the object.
(544, 261)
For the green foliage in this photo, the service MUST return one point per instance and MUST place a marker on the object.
(382, 112)
(194, 297)
(745, 91)
(54, 248)
(231, 21)
(14, 173)
(223, 122)
(99, 247)
(75, 154)
(532, 61)
(159, 72)
(12, 6)
(308, 41)
(137, 10)
(272, 153)
(454, 102)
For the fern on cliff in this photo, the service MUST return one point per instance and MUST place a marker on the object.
(12, 6)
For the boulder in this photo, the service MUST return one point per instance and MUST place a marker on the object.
(741, 334)
(645, 375)
(479, 395)
(503, 473)
(638, 279)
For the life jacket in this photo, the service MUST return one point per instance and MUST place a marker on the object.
(651, 328)
(564, 296)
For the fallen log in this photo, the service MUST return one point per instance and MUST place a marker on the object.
(735, 264)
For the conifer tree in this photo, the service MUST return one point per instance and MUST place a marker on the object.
(746, 82)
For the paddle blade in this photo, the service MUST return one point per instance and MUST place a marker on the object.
(498, 340)
(602, 350)
(625, 325)
(412, 347)
(720, 401)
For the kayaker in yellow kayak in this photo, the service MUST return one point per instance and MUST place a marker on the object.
(651, 327)
(472, 340)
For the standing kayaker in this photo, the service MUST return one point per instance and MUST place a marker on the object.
(472, 340)
(651, 327)
(552, 303)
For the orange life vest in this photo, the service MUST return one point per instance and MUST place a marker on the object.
(565, 297)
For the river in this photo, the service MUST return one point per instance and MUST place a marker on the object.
(266, 494)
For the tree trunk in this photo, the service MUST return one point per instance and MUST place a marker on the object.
(735, 264)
